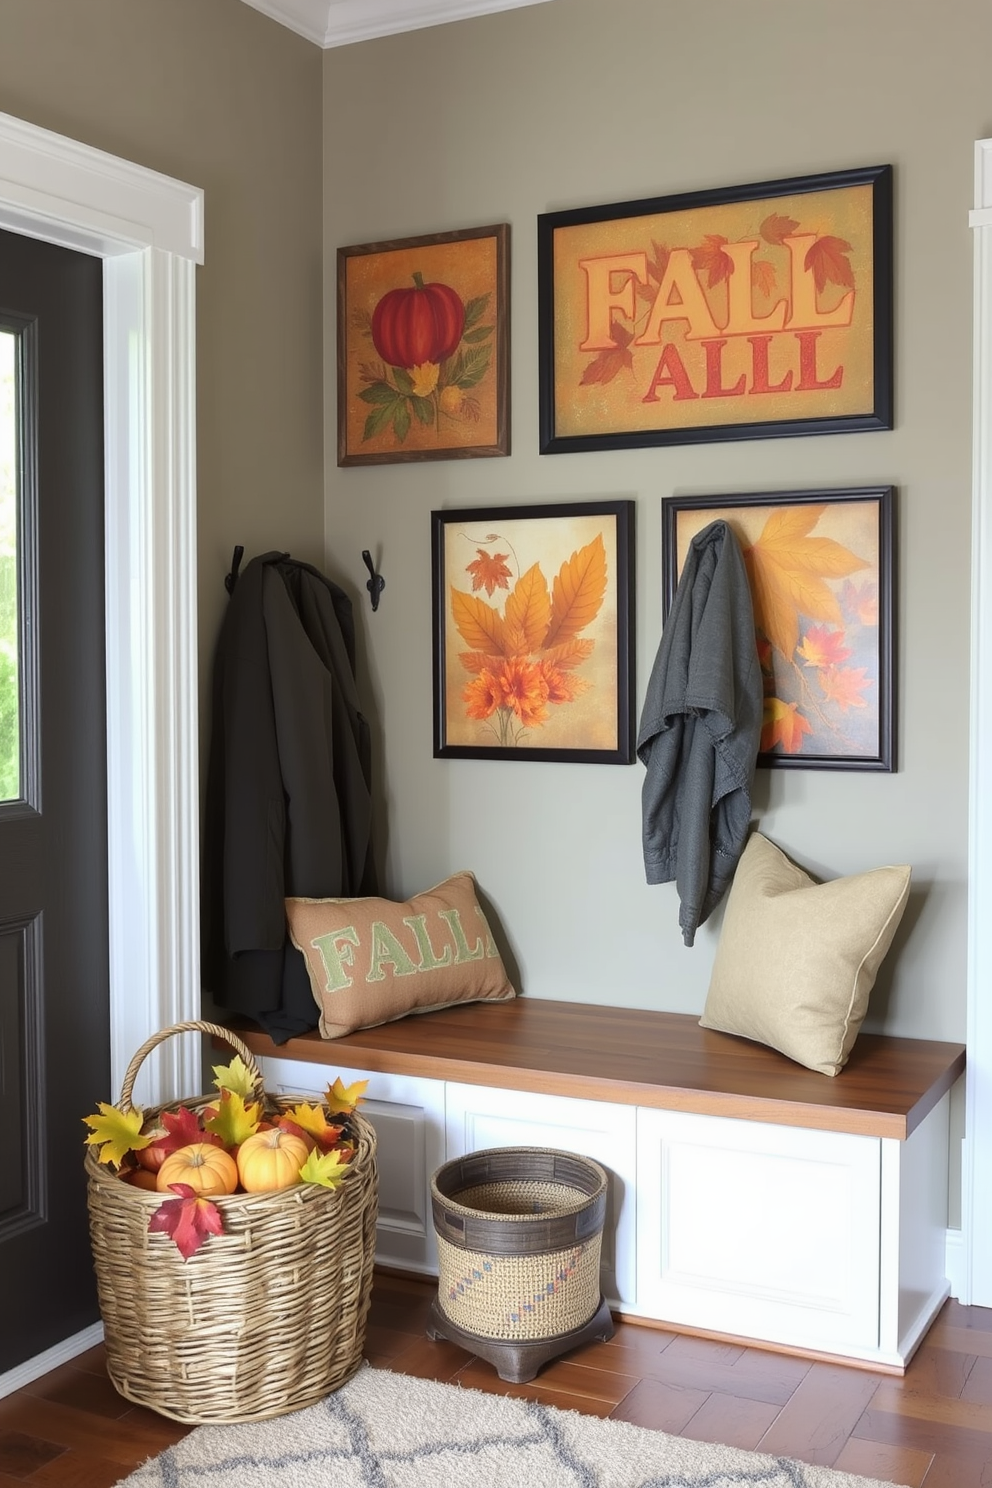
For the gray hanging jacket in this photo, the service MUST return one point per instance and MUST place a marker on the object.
(700, 729)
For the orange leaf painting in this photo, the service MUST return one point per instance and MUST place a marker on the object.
(819, 632)
(829, 261)
(533, 663)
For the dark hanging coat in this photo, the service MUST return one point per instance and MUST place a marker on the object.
(700, 730)
(288, 799)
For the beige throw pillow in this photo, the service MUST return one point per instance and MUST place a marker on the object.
(373, 960)
(797, 959)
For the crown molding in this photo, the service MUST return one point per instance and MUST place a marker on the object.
(334, 23)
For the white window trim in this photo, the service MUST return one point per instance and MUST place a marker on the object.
(148, 229)
(977, 1156)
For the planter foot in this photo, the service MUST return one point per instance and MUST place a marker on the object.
(518, 1360)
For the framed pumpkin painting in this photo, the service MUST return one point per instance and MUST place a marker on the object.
(423, 347)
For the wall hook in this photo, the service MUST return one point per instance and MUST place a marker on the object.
(376, 582)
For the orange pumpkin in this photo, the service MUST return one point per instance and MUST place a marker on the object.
(141, 1178)
(208, 1169)
(271, 1160)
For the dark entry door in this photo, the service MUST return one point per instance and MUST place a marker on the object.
(54, 986)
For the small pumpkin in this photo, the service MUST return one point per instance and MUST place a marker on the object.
(141, 1178)
(271, 1160)
(414, 326)
(208, 1169)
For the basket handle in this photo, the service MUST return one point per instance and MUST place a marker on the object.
(131, 1073)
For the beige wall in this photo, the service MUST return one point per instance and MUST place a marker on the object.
(579, 102)
(214, 93)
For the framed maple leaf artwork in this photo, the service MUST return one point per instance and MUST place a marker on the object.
(751, 312)
(533, 632)
(423, 347)
(819, 564)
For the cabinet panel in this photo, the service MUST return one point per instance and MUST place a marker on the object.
(765, 1231)
(408, 1116)
(479, 1117)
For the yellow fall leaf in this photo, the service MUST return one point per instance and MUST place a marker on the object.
(115, 1132)
(342, 1099)
(527, 613)
(313, 1120)
(235, 1076)
(325, 1168)
(234, 1121)
(577, 593)
(788, 569)
(479, 624)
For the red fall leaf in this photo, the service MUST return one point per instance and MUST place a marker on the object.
(187, 1218)
(776, 229)
(783, 724)
(711, 260)
(489, 571)
(828, 259)
(607, 364)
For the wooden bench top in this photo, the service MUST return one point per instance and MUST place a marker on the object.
(632, 1057)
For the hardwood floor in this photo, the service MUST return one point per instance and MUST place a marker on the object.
(930, 1429)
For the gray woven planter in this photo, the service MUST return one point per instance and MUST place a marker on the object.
(519, 1236)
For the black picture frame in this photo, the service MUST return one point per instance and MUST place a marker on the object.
(829, 697)
(601, 393)
(533, 650)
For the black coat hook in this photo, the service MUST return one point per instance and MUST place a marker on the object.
(231, 578)
(376, 583)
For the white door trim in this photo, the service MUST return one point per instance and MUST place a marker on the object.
(148, 229)
(977, 1155)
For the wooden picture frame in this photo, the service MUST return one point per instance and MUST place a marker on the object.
(820, 566)
(533, 632)
(751, 312)
(423, 345)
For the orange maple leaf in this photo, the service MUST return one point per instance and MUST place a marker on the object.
(823, 648)
(572, 654)
(787, 569)
(711, 259)
(861, 601)
(478, 624)
(844, 686)
(604, 367)
(828, 259)
(479, 661)
(763, 275)
(577, 593)
(783, 724)
(489, 571)
(776, 229)
(527, 613)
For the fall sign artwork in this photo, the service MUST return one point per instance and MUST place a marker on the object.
(731, 317)
(818, 567)
(528, 653)
(422, 348)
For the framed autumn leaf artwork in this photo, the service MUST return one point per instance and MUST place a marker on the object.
(423, 347)
(750, 312)
(533, 653)
(819, 564)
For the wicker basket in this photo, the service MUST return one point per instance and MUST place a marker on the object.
(266, 1318)
(519, 1234)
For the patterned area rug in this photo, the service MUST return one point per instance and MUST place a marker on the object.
(384, 1430)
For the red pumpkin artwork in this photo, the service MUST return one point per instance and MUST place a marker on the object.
(422, 348)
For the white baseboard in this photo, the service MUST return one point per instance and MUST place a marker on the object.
(32, 1369)
(954, 1263)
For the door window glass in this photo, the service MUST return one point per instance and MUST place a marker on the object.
(10, 730)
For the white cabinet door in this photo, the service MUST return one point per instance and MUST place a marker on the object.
(408, 1116)
(479, 1117)
(763, 1231)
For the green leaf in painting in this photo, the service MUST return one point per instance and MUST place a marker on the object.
(378, 392)
(403, 380)
(476, 365)
(401, 419)
(474, 310)
(378, 420)
(479, 334)
(424, 409)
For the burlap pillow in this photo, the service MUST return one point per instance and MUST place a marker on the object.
(373, 960)
(797, 959)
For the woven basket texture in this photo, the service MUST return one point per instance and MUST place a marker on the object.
(505, 1291)
(264, 1319)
